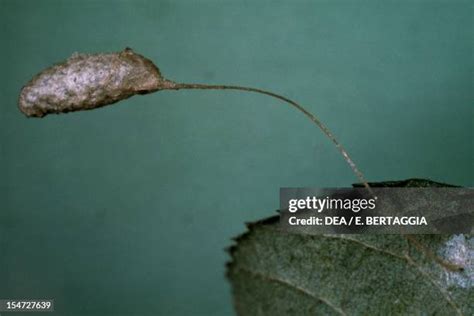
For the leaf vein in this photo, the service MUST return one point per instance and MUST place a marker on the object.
(410, 261)
(293, 286)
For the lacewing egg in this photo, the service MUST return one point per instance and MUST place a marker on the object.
(89, 81)
(85, 82)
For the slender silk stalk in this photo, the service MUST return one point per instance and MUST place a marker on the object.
(178, 86)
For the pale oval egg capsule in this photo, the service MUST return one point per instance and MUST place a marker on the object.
(88, 81)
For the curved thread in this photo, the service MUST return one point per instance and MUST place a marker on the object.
(178, 86)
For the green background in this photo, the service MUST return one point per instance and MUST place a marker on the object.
(127, 209)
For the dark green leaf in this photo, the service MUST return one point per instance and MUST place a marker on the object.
(277, 273)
